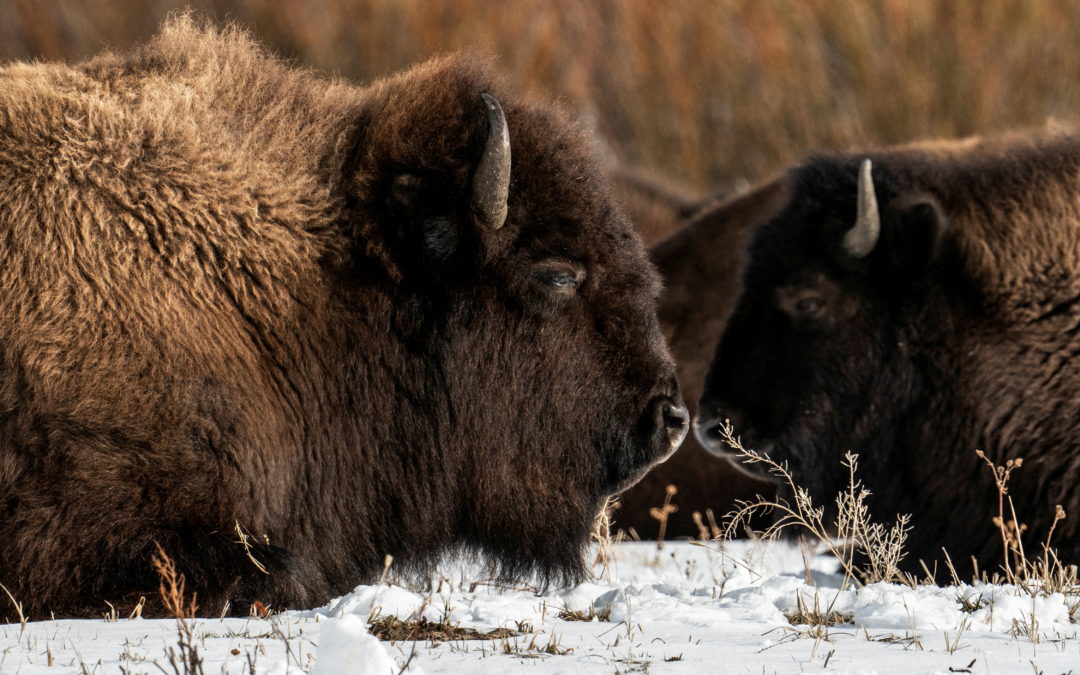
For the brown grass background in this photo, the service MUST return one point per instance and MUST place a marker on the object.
(711, 93)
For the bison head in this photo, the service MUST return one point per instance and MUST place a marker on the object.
(818, 357)
(529, 376)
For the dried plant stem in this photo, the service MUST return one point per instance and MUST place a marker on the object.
(187, 659)
(882, 547)
(663, 513)
(1044, 574)
(18, 610)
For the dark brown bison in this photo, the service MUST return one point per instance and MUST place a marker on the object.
(405, 319)
(657, 206)
(701, 265)
(914, 308)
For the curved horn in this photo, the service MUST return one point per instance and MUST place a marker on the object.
(491, 182)
(861, 239)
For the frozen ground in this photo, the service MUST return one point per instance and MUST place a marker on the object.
(686, 609)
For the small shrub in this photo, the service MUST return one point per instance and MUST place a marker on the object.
(869, 552)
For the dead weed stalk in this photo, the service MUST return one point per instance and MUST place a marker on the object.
(663, 513)
(18, 610)
(1042, 574)
(185, 659)
(601, 534)
(869, 552)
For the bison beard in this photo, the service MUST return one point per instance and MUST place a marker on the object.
(915, 315)
(238, 296)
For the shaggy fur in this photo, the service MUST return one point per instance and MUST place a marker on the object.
(220, 309)
(702, 266)
(960, 331)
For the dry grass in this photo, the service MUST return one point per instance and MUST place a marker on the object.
(185, 659)
(535, 650)
(1043, 573)
(588, 615)
(713, 530)
(868, 552)
(662, 513)
(171, 586)
(602, 537)
(816, 615)
(708, 92)
(394, 629)
(18, 610)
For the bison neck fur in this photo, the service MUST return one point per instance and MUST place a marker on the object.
(224, 309)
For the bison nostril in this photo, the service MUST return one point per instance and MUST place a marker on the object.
(676, 422)
(675, 416)
(666, 423)
(707, 430)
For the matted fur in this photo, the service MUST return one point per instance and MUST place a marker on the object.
(221, 308)
(959, 332)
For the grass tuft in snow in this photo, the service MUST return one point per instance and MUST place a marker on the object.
(1043, 574)
(18, 611)
(393, 629)
(868, 552)
(185, 659)
(806, 615)
(588, 615)
(535, 650)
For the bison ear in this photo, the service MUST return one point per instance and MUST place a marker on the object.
(428, 231)
(912, 233)
(440, 217)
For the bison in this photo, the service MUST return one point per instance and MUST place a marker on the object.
(282, 326)
(915, 305)
(657, 206)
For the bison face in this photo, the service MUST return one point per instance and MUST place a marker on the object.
(537, 380)
(817, 358)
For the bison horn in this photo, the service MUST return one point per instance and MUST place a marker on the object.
(861, 239)
(491, 182)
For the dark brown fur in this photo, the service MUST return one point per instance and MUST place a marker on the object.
(958, 332)
(702, 266)
(657, 206)
(217, 311)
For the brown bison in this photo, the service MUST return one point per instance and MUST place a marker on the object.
(913, 307)
(701, 265)
(346, 322)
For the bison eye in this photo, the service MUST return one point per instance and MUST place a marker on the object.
(807, 306)
(800, 303)
(559, 277)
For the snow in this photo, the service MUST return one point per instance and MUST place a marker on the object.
(347, 648)
(685, 609)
